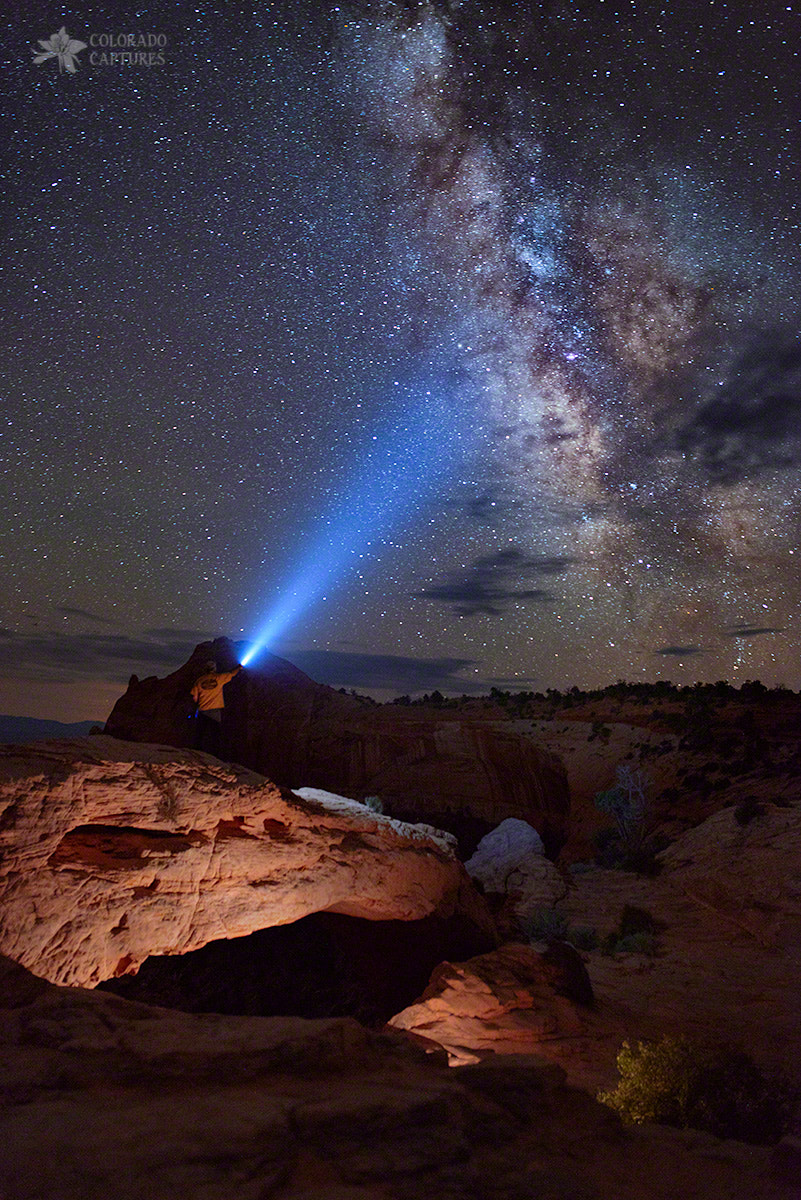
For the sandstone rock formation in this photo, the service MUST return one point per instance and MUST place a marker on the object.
(743, 864)
(727, 962)
(100, 1097)
(510, 861)
(513, 1000)
(437, 766)
(112, 852)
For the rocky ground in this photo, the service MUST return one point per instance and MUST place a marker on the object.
(727, 961)
(203, 886)
(103, 1097)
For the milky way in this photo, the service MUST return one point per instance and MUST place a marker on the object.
(570, 230)
(627, 318)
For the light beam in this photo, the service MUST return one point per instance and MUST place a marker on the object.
(402, 468)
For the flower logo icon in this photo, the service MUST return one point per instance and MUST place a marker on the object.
(62, 47)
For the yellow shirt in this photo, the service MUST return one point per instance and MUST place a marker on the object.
(208, 691)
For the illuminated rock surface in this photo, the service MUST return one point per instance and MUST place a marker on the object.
(513, 1000)
(100, 1098)
(438, 766)
(112, 852)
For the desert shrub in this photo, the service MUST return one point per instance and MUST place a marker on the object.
(607, 844)
(583, 937)
(636, 943)
(636, 920)
(645, 859)
(718, 1089)
(550, 925)
(625, 801)
(545, 925)
(581, 867)
(636, 933)
(613, 852)
(628, 804)
(374, 802)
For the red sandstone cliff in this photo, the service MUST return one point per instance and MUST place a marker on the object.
(437, 766)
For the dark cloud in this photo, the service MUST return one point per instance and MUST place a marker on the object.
(181, 638)
(749, 631)
(387, 672)
(752, 421)
(485, 507)
(67, 611)
(64, 658)
(511, 683)
(493, 582)
(72, 658)
(679, 651)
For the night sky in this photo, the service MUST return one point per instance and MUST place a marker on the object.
(456, 344)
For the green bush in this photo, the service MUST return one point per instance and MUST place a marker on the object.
(718, 1089)
(636, 933)
(636, 943)
(583, 937)
(636, 920)
(374, 802)
(612, 852)
(550, 925)
(545, 925)
(607, 846)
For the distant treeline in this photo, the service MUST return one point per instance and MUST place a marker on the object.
(644, 693)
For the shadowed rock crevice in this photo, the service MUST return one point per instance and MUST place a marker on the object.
(324, 965)
(116, 845)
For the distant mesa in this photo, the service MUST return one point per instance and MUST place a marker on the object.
(33, 729)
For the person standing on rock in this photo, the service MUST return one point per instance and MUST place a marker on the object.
(207, 694)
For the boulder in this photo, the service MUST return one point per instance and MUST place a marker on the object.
(113, 851)
(510, 861)
(432, 765)
(500, 853)
(100, 1097)
(512, 1000)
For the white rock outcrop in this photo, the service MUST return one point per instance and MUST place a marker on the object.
(112, 851)
(500, 853)
(511, 861)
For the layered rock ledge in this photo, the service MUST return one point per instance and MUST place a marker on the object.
(112, 852)
(100, 1097)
